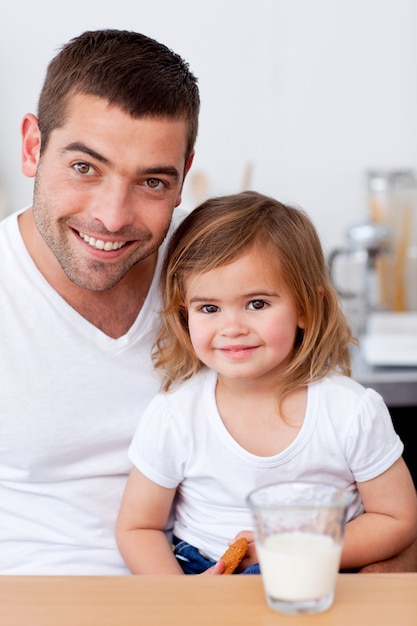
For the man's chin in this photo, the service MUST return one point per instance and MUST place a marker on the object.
(93, 282)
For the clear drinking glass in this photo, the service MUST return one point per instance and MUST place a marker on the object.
(299, 529)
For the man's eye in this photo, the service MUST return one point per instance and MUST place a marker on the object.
(153, 183)
(209, 308)
(257, 305)
(83, 168)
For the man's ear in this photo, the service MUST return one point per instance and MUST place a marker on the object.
(189, 163)
(31, 145)
(186, 170)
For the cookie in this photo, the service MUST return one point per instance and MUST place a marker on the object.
(234, 554)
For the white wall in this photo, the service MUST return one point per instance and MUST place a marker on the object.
(311, 93)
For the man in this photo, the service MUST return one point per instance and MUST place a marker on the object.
(109, 149)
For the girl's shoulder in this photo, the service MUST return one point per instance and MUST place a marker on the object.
(345, 384)
(203, 380)
(198, 389)
(345, 394)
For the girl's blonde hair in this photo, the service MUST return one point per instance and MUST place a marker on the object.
(219, 231)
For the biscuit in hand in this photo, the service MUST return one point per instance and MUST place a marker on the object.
(234, 554)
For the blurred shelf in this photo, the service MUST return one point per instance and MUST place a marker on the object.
(397, 385)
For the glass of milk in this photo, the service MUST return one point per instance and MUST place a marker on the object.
(299, 529)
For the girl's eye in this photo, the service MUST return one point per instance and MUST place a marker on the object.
(209, 308)
(83, 168)
(257, 305)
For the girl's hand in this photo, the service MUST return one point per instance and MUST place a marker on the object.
(215, 570)
(249, 559)
(251, 556)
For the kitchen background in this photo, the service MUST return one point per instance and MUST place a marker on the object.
(299, 97)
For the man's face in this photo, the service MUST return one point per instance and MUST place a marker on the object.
(105, 189)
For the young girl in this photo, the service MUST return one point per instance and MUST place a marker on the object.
(254, 350)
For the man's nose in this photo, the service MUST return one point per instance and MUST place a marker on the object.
(114, 208)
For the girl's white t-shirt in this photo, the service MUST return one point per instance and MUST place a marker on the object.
(181, 441)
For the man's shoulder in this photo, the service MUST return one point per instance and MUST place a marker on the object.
(8, 220)
(11, 244)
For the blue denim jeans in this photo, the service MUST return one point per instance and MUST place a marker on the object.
(193, 561)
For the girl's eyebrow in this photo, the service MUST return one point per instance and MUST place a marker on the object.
(261, 294)
(246, 296)
(197, 299)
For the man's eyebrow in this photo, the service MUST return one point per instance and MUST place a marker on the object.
(76, 146)
(168, 170)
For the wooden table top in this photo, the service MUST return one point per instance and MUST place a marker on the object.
(361, 600)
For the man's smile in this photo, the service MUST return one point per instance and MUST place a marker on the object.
(99, 244)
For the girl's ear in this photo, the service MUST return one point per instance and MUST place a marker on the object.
(31, 145)
(184, 314)
(301, 320)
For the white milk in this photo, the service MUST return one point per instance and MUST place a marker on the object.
(299, 566)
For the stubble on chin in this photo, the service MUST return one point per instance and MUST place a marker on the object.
(87, 273)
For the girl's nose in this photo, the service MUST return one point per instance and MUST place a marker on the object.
(234, 324)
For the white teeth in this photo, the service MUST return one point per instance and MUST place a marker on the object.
(99, 244)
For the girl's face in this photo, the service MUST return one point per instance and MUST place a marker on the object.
(241, 318)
